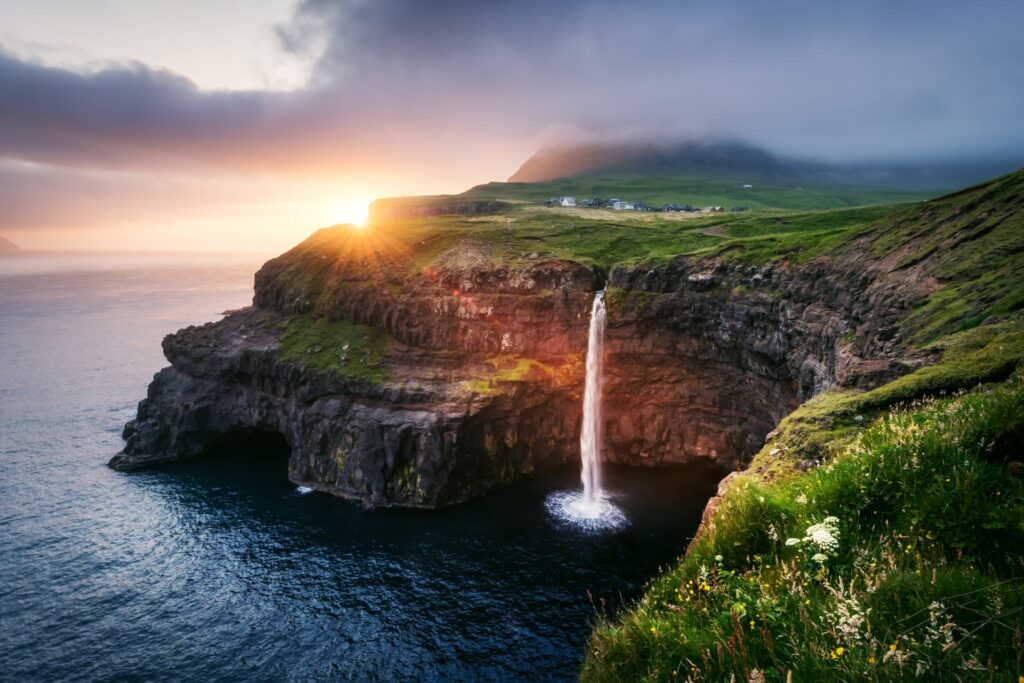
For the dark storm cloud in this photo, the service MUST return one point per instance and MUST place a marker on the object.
(448, 80)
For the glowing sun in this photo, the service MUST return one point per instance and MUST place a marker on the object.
(354, 210)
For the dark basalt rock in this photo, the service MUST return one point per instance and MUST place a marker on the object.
(703, 360)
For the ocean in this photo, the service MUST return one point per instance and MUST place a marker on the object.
(219, 568)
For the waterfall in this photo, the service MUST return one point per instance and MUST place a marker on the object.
(592, 509)
(590, 437)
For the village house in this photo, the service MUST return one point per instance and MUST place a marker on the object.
(568, 201)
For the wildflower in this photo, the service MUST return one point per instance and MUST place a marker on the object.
(654, 630)
(792, 541)
(751, 624)
(824, 534)
(820, 558)
(801, 499)
(840, 651)
(807, 601)
(871, 660)
(718, 558)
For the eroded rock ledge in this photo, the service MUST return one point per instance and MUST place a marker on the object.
(468, 371)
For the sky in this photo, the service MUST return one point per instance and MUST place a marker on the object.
(244, 125)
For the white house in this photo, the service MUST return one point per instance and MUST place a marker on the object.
(747, 187)
(619, 205)
(568, 201)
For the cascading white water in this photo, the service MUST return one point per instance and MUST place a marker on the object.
(590, 437)
(590, 510)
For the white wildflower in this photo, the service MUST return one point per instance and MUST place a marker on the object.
(801, 499)
(820, 558)
(792, 541)
(825, 534)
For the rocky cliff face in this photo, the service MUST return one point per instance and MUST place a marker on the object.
(705, 358)
(468, 372)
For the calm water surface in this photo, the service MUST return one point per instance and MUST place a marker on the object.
(218, 569)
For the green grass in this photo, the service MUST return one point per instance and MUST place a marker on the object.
(336, 346)
(759, 225)
(529, 231)
(697, 190)
(925, 581)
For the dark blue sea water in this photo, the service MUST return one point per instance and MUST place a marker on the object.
(218, 569)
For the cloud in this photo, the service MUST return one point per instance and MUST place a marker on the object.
(429, 96)
(872, 79)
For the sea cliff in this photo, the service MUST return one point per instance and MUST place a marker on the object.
(424, 361)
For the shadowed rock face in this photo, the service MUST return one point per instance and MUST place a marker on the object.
(484, 365)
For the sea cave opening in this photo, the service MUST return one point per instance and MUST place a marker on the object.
(264, 451)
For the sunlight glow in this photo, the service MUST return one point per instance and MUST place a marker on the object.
(353, 210)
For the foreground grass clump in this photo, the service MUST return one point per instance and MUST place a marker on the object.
(899, 559)
(337, 346)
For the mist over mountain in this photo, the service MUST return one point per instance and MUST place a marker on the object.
(734, 159)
